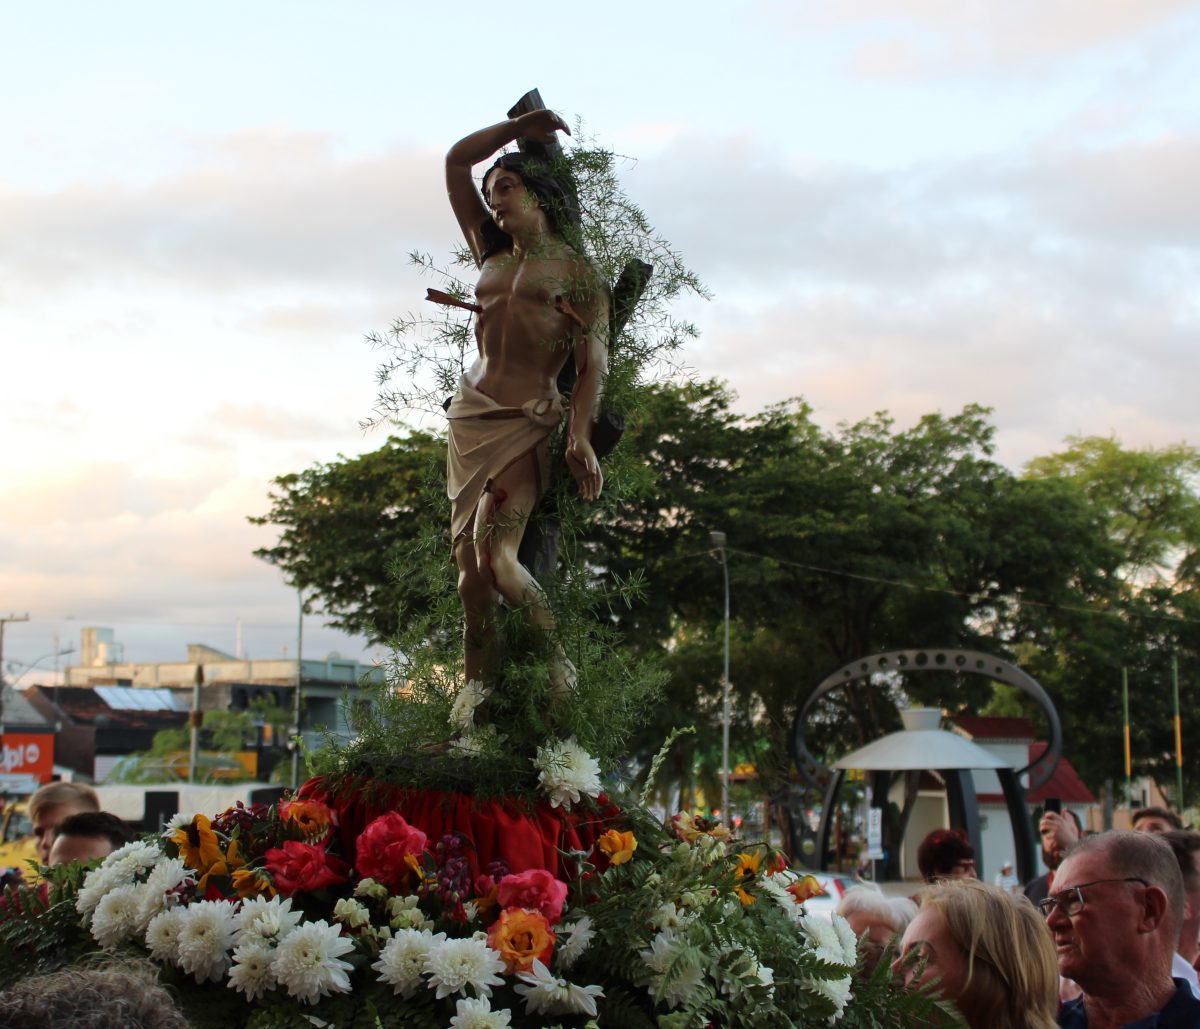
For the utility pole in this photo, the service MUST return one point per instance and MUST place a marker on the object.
(1178, 735)
(3, 623)
(718, 542)
(195, 719)
(296, 699)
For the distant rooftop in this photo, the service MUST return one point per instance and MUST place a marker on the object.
(980, 727)
(16, 711)
(1064, 784)
(130, 698)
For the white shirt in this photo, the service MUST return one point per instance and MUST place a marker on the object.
(1180, 969)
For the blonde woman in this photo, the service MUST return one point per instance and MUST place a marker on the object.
(989, 952)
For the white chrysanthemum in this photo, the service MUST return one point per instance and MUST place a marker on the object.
(567, 771)
(462, 714)
(307, 961)
(252, 972)
(846, 938)
(668, 916)
(546, 994)
(662, 954)
(478, 1014)
(836, 990)
(472, 741)
(573, 940)
(162, 934)
(402, 960)
(176, 821)
(116, 916)
(836, 944)
(96, 884)
(403, 913)
(453, 966)
(127, 863)
(264, 921)
(351, 913)
(206, 938)
(155, 894)
(828, 942)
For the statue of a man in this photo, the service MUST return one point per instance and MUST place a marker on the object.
(539, 302)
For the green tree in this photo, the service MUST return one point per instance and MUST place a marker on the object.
(1148, 498)
(1139, 611)
(350, 529)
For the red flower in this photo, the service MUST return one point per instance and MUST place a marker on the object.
(535, 888)
(302, 868)
(389, 850)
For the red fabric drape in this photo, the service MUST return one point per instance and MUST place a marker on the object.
(521, 834)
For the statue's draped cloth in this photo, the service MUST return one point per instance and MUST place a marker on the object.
(485, 438)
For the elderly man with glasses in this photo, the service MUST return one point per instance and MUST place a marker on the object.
(1115, 914)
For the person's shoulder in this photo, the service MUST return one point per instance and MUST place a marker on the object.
(1036, 889)
(1182, 1010)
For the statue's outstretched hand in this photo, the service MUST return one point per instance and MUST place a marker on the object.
(540, 126)
(585, 467)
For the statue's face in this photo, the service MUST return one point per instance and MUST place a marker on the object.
(514, 208)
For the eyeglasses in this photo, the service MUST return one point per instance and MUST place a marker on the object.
(1070, 901)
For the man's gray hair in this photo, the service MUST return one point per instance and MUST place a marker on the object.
(1139, 855)
(895, 912)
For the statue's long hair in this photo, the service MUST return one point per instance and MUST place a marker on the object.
(555, 194)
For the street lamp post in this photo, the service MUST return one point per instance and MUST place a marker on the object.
(33, 664)
(718, 542)
(296, 700)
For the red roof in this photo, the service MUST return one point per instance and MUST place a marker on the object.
(986, 728)
(1064, 783)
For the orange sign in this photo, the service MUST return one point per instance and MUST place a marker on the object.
(27, 753)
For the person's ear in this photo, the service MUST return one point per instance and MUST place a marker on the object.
(1154, 909)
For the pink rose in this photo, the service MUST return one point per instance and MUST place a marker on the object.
(389, 850)
(301, 868)
(536, 889)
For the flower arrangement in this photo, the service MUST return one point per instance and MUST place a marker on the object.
(258, 921)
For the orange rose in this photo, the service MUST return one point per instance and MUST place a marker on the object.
(313, 819)
(804, 888)
(521, 937)
(619, 846)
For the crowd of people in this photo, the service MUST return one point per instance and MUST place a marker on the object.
(1109, 937)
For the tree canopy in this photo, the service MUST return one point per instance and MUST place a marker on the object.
(841, 542)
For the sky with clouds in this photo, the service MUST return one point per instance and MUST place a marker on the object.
(907, 205)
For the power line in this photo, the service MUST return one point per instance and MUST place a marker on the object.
(946, 591)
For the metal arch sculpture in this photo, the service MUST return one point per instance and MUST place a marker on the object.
(959, 785)
(972, 662)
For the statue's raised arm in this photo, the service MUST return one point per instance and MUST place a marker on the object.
(466, 201)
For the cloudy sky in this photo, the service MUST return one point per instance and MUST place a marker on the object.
(897, 204)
